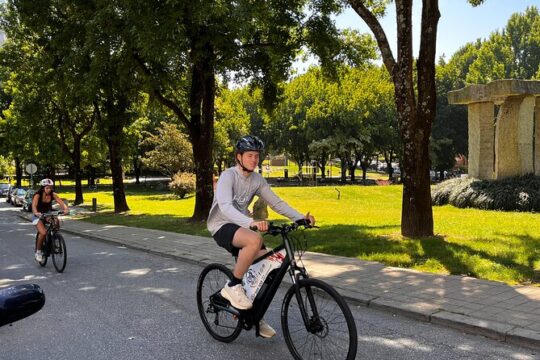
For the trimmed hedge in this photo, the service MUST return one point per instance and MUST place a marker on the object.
(518, 193)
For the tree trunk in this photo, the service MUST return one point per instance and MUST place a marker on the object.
(137, 168)
(65, 121)
(415, 115)
(112, 126)
(203, 170)
(352, 170)
(91, 173)
(364, 165)
(390, 169)
(120, 203)
(323, 170)
(77, 169)
(201, 129)
(343, 170)
(18, 172)
(417, 216)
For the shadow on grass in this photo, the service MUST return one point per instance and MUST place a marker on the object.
(166, 197)
(434, 254)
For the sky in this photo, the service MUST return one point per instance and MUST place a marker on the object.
(459, 23)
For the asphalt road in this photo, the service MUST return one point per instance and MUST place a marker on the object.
(117, 303)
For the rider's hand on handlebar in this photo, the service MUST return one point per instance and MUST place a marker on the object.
(66, 211)
(38, 214)
(262, 226)
(308, 221)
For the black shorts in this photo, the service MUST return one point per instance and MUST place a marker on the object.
(224, 238)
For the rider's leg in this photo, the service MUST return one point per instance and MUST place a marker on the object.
(250, 243)
(42, 232)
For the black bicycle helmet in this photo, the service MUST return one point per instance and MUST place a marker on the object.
(249, 143)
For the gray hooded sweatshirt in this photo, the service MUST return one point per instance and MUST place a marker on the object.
(233, 195)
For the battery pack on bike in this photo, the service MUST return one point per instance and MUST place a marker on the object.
(258, 272)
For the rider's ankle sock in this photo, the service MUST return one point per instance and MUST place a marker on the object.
(235, 281)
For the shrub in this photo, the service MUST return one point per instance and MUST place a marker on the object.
(520, 193)
(183, 183)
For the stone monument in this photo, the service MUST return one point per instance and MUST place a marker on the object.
(508, 143)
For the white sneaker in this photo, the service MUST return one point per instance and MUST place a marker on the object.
(237, 296)
(39, 256)
(266, 330)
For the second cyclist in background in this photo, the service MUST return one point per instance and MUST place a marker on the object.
(42, 203)
(229, 221)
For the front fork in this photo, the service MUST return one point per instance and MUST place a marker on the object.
(310, 320)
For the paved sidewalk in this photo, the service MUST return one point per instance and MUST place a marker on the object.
(493, 309)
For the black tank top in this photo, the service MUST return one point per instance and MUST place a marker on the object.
(42, 206)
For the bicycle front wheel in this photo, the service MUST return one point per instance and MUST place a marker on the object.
(58, 252)
(330, 332)
(220, 323)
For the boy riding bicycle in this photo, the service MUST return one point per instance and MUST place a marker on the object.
(229, 223)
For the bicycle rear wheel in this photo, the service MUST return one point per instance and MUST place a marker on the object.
(331, 331)
(58, 252)
(44, 261)
(221, 324)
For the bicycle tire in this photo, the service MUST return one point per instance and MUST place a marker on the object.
(222, 325)
(333, 332)
(44, 261)
(59, 252)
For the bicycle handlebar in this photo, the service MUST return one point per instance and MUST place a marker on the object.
(50, 214)
(285, 228)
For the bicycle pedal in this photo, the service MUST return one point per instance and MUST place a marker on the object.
(219, 300)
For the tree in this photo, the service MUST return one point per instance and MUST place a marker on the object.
(415, 103)
(170, 150)
(181, 47)
(494, 61)
(290, 127)
(84, 38)
(523, 34)
(232, 122)
(28, 125)
(6, 167)
(320, 151)
(442, 155)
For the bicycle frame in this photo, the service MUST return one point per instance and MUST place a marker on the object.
(327, 326)
(47, 242)
(51, 230)
(266, 294)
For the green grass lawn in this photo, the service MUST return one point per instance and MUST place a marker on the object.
(365, 223)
